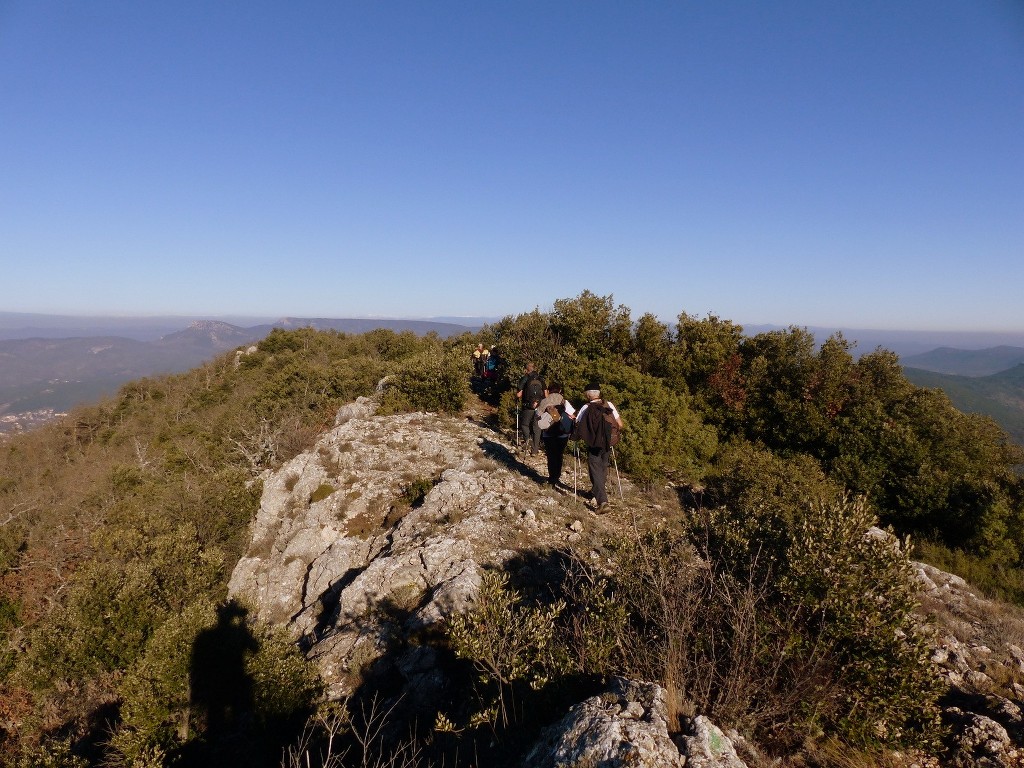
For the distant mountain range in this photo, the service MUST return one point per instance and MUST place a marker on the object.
(905, 343)
(967, 362)
(986, 381)
(44, 374)
(49, 363)
(24, 325)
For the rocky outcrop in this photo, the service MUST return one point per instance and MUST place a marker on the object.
(977, 652)
(385, 525)
(705, 746)
(342, 556)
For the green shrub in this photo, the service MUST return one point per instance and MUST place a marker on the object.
(663, 436)
(858, 592)
(53, 753)
(434, 380)
(322, 492)
(808, 630)
(416, 491)
(509, 643)
(593, 628)
(850, 599)
(155, 696)
(753, 499)
(781, 525)
(113, 606)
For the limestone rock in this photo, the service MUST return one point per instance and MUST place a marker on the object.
(707, 747)
(363, 564)
(625, 726)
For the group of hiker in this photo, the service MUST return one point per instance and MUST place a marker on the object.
(485, 361)
(485, 366)
(547, 418)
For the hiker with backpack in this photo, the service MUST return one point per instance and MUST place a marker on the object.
(555, 418)
(530, 392)
(492, 362)
(598, 425)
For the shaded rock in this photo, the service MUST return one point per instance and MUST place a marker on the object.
(627, 725)
(980, 742)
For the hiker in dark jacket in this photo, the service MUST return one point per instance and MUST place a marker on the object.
(590, 429)
(530, 392)
(555, 418)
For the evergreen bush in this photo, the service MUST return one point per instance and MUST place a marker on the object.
(433, 380)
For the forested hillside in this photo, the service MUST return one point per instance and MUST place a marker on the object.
(998, 395)
(122, 523)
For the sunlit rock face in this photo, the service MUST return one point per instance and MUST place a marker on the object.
(384, 527)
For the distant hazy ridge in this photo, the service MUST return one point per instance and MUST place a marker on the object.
(986, 381)
(58, 363)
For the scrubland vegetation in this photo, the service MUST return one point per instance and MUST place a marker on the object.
(764, 605)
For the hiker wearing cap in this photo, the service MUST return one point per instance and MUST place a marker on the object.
(592, 429)
(555, 419)
(530, 392)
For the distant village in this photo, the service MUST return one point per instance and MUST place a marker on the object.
(16, 423)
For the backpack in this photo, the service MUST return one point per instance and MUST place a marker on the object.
(533, 392)
(565, 423)
(598, 427)
(559, 428)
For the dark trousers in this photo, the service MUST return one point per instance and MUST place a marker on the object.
(529, 428)
(597, 467)
(554, 449)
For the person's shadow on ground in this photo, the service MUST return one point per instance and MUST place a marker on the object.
(221, 690)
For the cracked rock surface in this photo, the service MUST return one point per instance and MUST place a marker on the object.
(339, 555)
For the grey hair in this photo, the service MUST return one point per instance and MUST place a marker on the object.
(593, 394)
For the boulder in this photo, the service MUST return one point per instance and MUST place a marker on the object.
(627, 725)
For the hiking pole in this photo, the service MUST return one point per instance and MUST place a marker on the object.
(518, 411)
(617, 475)
(575, 467)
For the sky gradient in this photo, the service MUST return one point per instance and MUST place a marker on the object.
(856, 164)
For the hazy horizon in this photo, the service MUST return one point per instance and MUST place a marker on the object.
(917, 339)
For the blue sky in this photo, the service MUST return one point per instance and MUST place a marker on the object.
(856, 164)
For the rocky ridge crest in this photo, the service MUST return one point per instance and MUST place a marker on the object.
(386, 524)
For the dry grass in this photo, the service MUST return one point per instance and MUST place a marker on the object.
(483, 464)
(330, 460)
(363, 525)
(832, 753)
